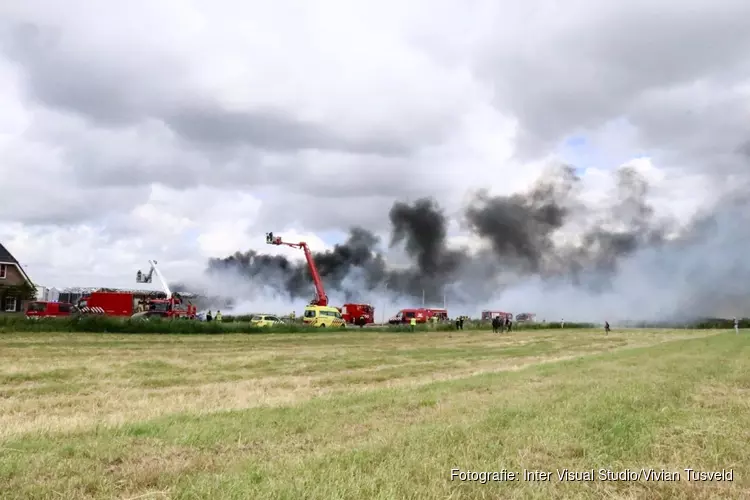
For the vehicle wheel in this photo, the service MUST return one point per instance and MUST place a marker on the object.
(343, 326)
(322, 326)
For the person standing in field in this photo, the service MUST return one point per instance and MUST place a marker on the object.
(562, 323)
(218, 316)
(606, 327)
(736, 326)
(495, 324)
(510, 325)
(209, 316)
(413, 323)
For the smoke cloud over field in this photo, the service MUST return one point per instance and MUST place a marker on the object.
(545, 250)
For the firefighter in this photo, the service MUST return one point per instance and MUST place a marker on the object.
(606, 327)
(292, 316)
(413, 323)
(361, 321)
(218, 316)
(461, 322)
(458, 323)
(209, 316)
(495, 324)
(510, 325)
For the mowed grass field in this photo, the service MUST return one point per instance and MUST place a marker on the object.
(371, 415)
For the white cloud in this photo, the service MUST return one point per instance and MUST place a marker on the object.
(179, 229)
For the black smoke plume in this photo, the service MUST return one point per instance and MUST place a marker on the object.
(545, 248)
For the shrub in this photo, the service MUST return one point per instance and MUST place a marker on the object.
(241, 324)
(104, 324)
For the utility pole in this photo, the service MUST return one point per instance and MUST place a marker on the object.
(423, 297)
(385, 297)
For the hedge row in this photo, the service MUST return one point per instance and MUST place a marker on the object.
(101, 324)
(701, 324)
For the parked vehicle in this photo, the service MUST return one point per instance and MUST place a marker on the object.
(488, 315)
(41, 309)
(265, 320)
(521, 317)
(422, 315)
(358, 314)
(323, 316)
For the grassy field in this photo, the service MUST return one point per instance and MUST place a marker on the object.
(371, 415)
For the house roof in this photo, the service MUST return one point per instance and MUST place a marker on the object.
(85, 290)
(7, 258)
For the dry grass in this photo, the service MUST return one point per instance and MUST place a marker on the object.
(369, 415)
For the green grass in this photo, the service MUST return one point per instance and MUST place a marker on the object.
(380, 416)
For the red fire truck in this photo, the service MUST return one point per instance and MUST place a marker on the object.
(422, 315)
(122, 303)
(126, 304)
(357, 314)
(439, 314)
(488, 315)
(41, 309)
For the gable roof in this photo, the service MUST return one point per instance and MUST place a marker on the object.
(7, 258)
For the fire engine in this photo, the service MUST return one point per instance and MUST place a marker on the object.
(119, 303)
(171, 306)
(358, 314)
(349, 312)
(438, 314)
(422, 315)
(127, 303)
(488, 315)
(44, 309)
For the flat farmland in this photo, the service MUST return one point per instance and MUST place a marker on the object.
(372, 415)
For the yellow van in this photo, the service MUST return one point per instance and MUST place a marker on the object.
(323, 316)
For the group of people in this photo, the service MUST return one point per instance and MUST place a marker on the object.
(500, 324)
(435, 319)
(210, 317)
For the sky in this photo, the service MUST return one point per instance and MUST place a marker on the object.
(185, 130)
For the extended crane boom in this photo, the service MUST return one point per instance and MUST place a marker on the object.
(147, 278)
(172, 305)
(321, 298)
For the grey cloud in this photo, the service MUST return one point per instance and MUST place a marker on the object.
(117, 93)
(708, 122)
(209, 124)
(582, 72)
(53, 204)
(317, 213)
(108, 91)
